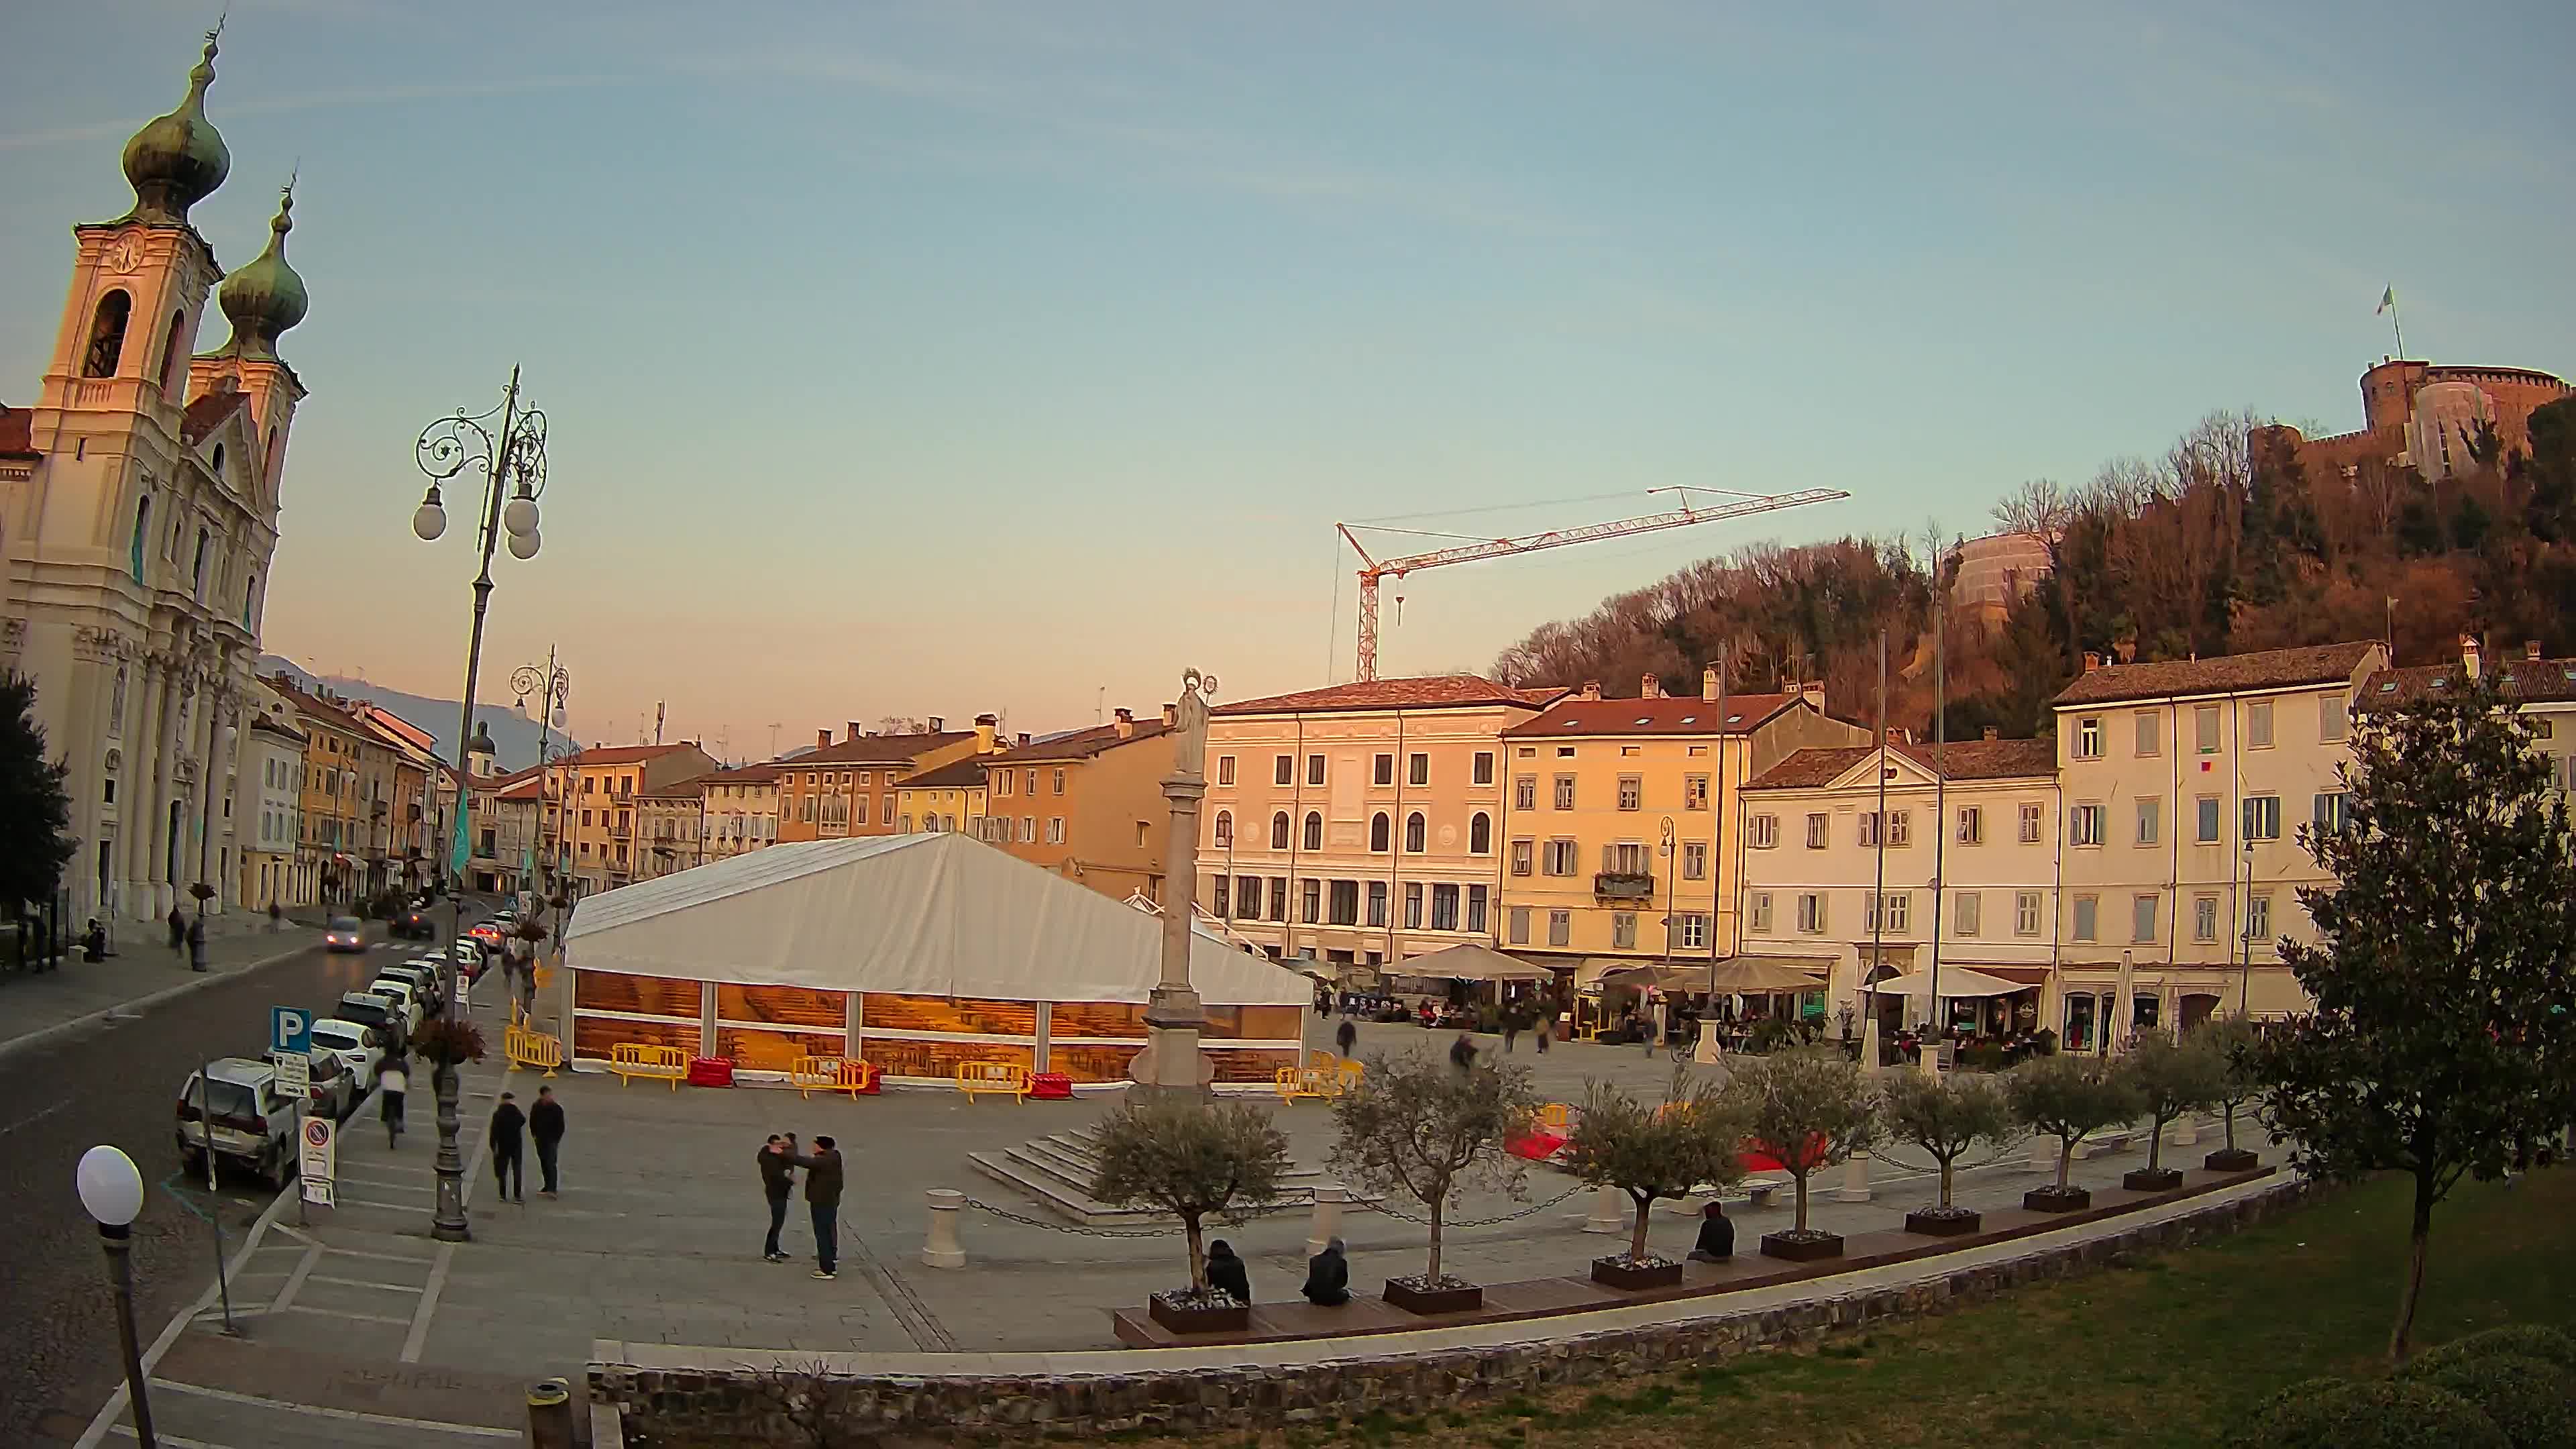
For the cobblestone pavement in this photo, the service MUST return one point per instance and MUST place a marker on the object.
(655, 1238)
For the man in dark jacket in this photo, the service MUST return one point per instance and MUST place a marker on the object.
(1462, 1054)
(1345, 1037)
(1226, 1273)
(507, 1121)
(546, 1125)
(1716, 1236)
(777, 1184)
(1328, 1277)
(823, 1200)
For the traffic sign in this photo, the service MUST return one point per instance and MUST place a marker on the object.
(318, 1159)
(290, 1029)
(294, 1075)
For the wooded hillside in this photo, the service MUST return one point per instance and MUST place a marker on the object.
(2224, 544)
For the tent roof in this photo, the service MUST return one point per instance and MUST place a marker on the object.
(1956, 981)
(924, 915)
(1468, 961)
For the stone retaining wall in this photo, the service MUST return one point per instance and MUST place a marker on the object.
(727, 1404)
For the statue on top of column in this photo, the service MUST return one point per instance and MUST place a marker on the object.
(1190, 723)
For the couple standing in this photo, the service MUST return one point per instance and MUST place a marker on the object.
(779, 1159)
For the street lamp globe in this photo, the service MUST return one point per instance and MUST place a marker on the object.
(524, 545)
(519, 515)
(111, 1189)
(430, 519)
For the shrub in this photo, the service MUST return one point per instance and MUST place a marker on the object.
(2512, 1340)
(2526, 1397)
(2334, 1414)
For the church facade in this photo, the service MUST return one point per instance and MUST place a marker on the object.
(138, 516)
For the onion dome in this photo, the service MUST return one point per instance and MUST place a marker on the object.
(266, 297)
(177, 161)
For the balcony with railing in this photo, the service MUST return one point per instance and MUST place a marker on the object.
(1623, 885)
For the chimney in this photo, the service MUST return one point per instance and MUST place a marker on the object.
(854, 731)
(1024, 738)
(1708, 684)
(987, 726)
(2531, 650)
(2092, 661)
(1651, 687)
(823, 739)
(1993, 733)
(1813, 692)
(1171, 715)
(1591, 689)
(1126, 724)
(2469, 655)
(938, 725)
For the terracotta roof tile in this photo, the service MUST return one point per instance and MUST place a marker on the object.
(1689, 715)
(1078, 744)
(762, 774)
(208, 413)
(1439, 691)
(623, 754)
(2532, 679)
(1960, 760)
(876, 749)
(2265, 669)
(956, 774)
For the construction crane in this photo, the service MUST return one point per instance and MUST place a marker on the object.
(1375, 570)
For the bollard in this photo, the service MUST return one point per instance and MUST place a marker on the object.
(1609, 1212)
(1855, 1186)
(550, 1414)
(944, 1250)
(2043, 1154)
(1326, 1224)
(2185, 1133)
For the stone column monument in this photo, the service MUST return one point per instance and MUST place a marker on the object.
(1171, 1065)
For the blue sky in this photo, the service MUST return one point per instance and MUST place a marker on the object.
(934, 357)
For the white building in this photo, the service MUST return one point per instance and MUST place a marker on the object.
(138, 513)
(1963, 872)
(269, 810)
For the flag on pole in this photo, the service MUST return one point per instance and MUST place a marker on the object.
(457, 857)
(2387, 299)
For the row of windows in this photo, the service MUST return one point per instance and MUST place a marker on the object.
(2334, 723)
(1417, 769)
(1632, 792)
(1762, 832)
(1563, 856)
(1814, 915)
(1006, 782)
(2259, 818)
(1417, 832)
(1437, 906)
(1690, 929)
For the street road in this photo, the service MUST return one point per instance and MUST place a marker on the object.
(58, 1347)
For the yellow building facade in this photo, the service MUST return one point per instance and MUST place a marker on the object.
(949, 797)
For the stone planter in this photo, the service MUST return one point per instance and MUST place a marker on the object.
(2056, 1200)
(2152, 1179)
(1814, 1245)
(1617, 1272)
(1413, 1296)
(1935, 1222)
(1191, 1318)
(2231, 1159)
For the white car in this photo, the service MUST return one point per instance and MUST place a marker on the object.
(253, 1122)
(403, 994)
(348, 1041)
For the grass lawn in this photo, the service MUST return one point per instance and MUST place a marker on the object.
(2171, 1350)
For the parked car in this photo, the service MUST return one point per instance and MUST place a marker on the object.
(334, 1089)
(470, 959)
(355, 1044)
(424, 979)
(235, 1104)
(378, 1014)
(404, 995)
(416, 925)
(487, 934)
(345, 933)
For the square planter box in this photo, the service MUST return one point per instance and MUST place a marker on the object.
(2152, 1179)
(2056, 1200)
(2231, 1159)
(1404, 1295)
(1932, 1222)
(1618, 1273)
(1802, 1250)
(1181, 1318)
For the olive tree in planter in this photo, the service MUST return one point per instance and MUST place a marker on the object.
(1687, 1143)
(2233, 1040)
(2069, 1098)
(1195, 1161)
(1427, 1130)
(1948, 1117)
(1811, 1110)
(2171, 1077)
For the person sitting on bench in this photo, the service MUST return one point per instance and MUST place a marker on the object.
(1716, 1236)
(1328, 1277)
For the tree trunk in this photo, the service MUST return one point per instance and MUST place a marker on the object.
(1198, 1252)
(1431, 1274)
(2419, 1233)
(2065, 1160)
(1947, 1164)
(2227, 1123)
(1801, 1179)
(1637, 1239)
(2156, 1142)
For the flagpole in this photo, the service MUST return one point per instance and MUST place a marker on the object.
(2388, 304)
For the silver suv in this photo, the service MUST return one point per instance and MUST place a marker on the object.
(253, 1123)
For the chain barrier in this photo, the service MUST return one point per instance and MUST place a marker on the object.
(1024, 1220)
(1445, 1225)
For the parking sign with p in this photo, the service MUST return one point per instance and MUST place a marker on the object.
(290, 1030)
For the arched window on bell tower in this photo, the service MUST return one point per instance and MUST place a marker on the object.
(171, 352)
(197, 577)
(107, 334)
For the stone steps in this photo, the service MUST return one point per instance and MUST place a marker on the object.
(1056, 1171)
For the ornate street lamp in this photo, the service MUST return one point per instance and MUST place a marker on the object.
(111, 1192)
(513, 466)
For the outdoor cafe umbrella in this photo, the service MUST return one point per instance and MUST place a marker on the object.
(1956, 982)
(1760, 975)
(1471, 962)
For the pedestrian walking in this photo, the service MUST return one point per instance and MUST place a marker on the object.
(1511, 1027)
(197, 944)
(777, 1184)
(1345, 1037)
(823, 1200)
(1226, 1273)
(1546, 1025)
(546, 1126)
(178, 931)
(276, 917)
(507, 1123)
(1462, 1054)
(390, 1084)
